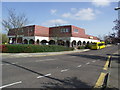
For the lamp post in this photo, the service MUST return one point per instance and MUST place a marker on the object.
(117, 8)
(118, 25)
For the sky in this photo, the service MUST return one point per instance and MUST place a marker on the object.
(95, 17)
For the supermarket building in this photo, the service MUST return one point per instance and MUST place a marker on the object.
(67, 35)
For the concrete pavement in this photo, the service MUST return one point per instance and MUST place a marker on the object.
(18, 55)
(113, 79)
(70, 70)
(73, 70)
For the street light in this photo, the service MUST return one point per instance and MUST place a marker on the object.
(117, 8)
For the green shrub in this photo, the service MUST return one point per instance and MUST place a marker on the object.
(81, 47)
(88, 46)
(24, 48)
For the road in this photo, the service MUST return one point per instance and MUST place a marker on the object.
(75, 70)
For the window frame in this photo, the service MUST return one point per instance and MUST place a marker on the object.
(64, 30)
(75, 30)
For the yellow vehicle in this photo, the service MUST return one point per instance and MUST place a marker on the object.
(98, 45)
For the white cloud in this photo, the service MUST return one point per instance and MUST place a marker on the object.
(97, 11)
(53, 11)
(85, 14)
(73, 9)
(82, 14)
(101, 3)
(55, 22)
(66, 15)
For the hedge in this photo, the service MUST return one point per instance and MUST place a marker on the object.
(81, 47)
(88, 46)
(84, 47)
(24, 48)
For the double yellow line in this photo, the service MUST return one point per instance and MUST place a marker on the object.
(100, 81)
(107, 63)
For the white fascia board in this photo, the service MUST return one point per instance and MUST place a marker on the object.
(30, 37)
(60, 38)
(11, 36)
(83, 39)
(40, 38)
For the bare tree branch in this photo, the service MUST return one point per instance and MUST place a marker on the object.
(14, 21)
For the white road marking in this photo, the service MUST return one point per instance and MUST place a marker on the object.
(94, 61)
(79, 65)
(88, 63)
(72, 57)
(45, 60)
(64, 70)
(44, 75)
(48, 74)
(10, 84)
(15, 63)
(40, 76)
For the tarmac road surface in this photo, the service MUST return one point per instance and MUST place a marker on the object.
(73, 70)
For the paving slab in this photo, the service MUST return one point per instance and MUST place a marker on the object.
(113, 80)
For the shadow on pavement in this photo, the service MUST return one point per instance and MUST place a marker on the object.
(111, 88)
(115, 57)
(73, 82)
(114, 54)
(90, 56)
(95, 57)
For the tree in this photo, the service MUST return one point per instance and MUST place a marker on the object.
(100, 37)
(117, 27)
(15, 21)
(111, 38)
(4, 38)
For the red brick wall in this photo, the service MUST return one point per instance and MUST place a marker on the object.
(29, 30)
(56, 31)
(35, 30)
(81, 32)
(11, 32)
(41, 31)
(26, 31)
